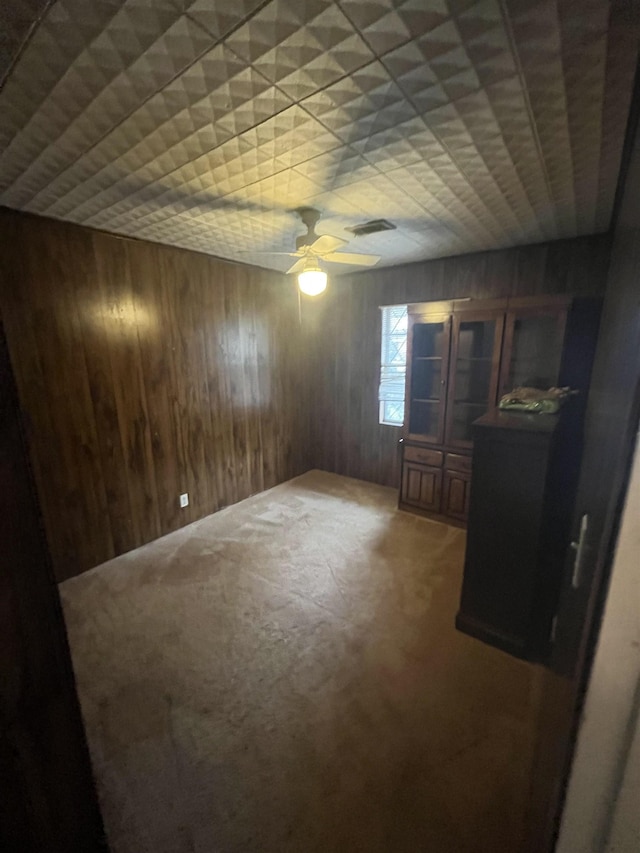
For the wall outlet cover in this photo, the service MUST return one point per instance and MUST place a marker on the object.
(184, 500)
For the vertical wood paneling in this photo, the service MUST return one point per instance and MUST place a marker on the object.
(320, 323)
(120, 322)
(185, 281)
(266, 381)
(144, 372)
(103, 397)
(291, 346)
(347, 437)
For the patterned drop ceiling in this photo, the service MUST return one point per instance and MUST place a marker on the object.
(205, 123)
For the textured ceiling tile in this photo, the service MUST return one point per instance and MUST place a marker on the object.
(336, 213)
(272, 25)
(490, 52)
(584, 49)
(536, 30)
(18, 19)
(317, 54)
(335, 168)
(460, 84)
(387, 23)
(243, 100)
(221, 16)
(471, 125)
(451, 64)
(162, 40)
(440, 41)
(509, 106)
(466, 212)
(426, 187)
(489, 168)
(393, 245)
(408, 68)
(216, 69)
(365, 104)
(430, 84)
(61, 37)
(287, 190)
(291, 135)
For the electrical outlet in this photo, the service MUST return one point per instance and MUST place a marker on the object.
(184, 500)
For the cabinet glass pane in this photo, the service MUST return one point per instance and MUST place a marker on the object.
(473, 367)
(464, 414)
(425, 379)
(475, 339)
(424, 418)
(428, 340)
(536, 351)
(473, 381)
(472, 374)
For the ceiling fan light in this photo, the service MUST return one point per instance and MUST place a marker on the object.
(312, 281)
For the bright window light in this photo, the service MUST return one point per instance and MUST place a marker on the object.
(393, 364)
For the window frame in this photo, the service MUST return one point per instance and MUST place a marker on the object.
(392, 371)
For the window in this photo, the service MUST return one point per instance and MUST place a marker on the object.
(393, 364)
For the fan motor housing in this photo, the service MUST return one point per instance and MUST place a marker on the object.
(305, 240)
(309, 217)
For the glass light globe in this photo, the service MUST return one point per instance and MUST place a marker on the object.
(312, 282)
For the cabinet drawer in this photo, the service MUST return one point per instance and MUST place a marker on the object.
(458, 462)
(423, 456)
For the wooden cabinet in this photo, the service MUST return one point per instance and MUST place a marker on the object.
(524, 476)
(452, 378)
(462, 356)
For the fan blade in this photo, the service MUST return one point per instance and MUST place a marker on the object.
(299, 265)
(326, 244)
(351, 258)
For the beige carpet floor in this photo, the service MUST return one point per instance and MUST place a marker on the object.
(285, 675)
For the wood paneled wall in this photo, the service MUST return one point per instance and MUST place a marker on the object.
(346, 436)
(144, 372)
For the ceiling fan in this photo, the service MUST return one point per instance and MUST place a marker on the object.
(324, 247)
(312, 251)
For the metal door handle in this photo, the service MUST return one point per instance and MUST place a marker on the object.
(580, 548)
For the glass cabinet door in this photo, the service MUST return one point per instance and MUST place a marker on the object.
(475, 354)
(532, 349)
(429, 356)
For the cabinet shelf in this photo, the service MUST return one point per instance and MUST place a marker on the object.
(427, 358)
(426, 400)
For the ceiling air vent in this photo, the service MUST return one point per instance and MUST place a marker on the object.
(371, 227)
